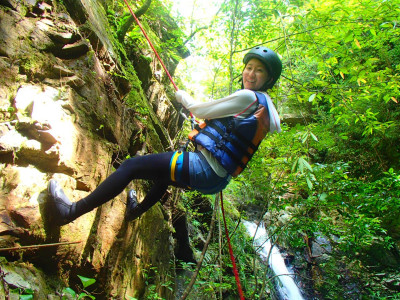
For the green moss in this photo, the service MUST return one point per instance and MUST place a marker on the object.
(38, 231)
(136, 98)
(34, 63)
(148, 58)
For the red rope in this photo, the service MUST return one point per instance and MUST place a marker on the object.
(235, 270)
(154, 49)
(151, 45)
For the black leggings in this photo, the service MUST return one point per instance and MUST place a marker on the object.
(154, 167)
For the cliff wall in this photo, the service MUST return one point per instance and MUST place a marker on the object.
(73, 106)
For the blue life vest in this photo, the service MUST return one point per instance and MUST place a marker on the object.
(232, 140)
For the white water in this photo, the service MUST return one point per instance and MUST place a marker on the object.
(288, 289)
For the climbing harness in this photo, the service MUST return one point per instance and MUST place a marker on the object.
(234, 267)
(176, 165)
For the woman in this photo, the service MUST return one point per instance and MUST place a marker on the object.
(226, 141)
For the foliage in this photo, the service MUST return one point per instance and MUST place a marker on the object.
(86, 282)
(151, 276)
(23, 294)
(333, 175)
(216, 277)
(336, 173)
(67, 293)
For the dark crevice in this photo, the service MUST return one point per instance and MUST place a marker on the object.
(7, 157)
(7, 3)
(71, 51)
(123, 85)
(135, 144)
(104, 131)
(162, 136)
(3, 54)
(183, 251)
(118, 158)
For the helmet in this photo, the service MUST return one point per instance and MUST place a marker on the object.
(271, 61)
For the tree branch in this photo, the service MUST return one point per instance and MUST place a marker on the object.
(282, 37)
(38, 246)
(202, 27)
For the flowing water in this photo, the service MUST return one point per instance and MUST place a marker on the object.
(287, 288)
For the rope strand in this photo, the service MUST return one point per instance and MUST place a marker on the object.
(151, 44)
(234, 267)
(154, 49)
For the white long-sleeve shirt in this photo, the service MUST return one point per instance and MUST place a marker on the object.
(240, 103)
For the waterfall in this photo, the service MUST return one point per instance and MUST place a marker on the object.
(287, 288)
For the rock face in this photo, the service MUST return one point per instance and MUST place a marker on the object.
(72, 108)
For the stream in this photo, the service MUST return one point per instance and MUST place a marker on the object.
(286, 286)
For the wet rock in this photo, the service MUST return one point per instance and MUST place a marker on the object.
(292, 119)
(320, 245)
(21, 278)
(64, 115)
(62, 37)
(40, 39)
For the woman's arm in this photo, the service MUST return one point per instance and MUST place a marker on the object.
(228, 106)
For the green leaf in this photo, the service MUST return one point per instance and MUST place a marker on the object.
(25, 297)
(314, 136)
(304, 137)
(348, 38)
(323, 196)
(69, 291)
(309, 183)
(387, 24)
(29, 291)
(306, 164)
(373, 32)
(294, 166)
(301, 164)
(86, 281)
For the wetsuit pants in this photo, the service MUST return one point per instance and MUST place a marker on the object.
(194, 173)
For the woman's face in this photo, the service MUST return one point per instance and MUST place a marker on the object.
(255, 75)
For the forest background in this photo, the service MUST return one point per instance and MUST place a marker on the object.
(334, 170)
